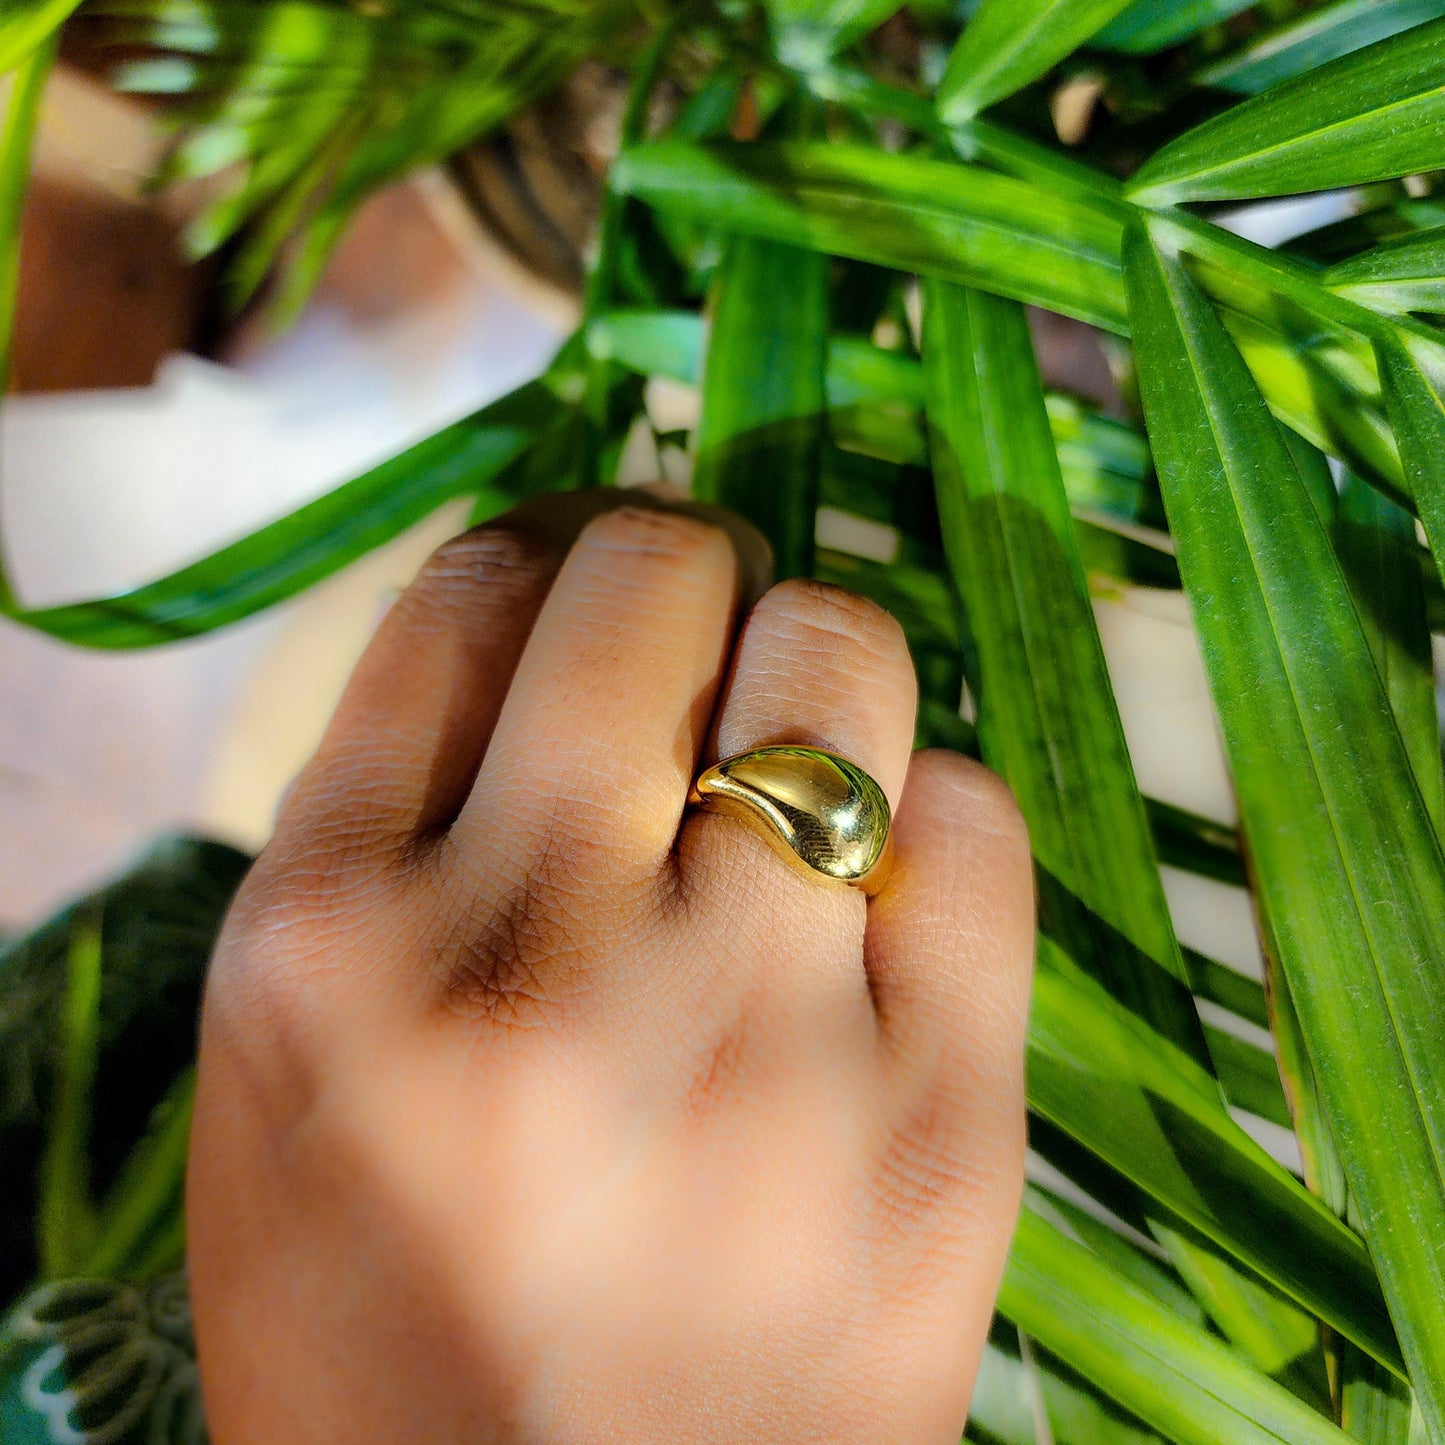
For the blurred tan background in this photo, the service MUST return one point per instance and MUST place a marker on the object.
(125, 454)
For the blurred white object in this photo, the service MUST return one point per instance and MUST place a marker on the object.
(1174, 740)
(107, 489)
(104, 490)
(1273, 222)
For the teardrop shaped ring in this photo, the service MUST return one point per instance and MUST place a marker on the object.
(823, 814)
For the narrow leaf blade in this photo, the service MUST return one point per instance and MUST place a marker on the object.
(759, 445)
(1347, 865)
(1249, 1075)
(1375, 540)
(291, 554)
(1316, 37)
(21, 114)
(1150, 25)
(1011, 42)
(1404, 273)
(1054, 248)
(1147, 1109)
(65, 1216)
(1416, 408)
(30, 26)
(962, 223)
(1171, 1373)
(1368, 116)
(1047, 721)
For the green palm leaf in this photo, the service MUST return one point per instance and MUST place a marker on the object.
(1166, 1370)
(875, 399)
(1410, 378)
(1304, 42)
(1224, 986)
(15, 141)
(1311, 351)
(65, 1223)
(131, 1221)
(1011, 42)
(1148, 1110)
(1149, 25)
(759, 443)
(1250, 1076)
(1370, 115)
(318, 539)
(1025, 1396)
(1047, 719)
(908, 212)
(1374, 1405)
(1404, 273)
(302, 108)
(1347, 864)
(29, 24)
(1375, 542)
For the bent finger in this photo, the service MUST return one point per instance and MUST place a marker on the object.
(817, 666)
(401, 750)
(595, 747)
(949, 953)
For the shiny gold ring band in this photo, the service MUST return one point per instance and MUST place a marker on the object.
(822, 813)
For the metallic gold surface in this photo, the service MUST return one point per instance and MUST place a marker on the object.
(824, 814)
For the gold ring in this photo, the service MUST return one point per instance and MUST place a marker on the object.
(824, 814)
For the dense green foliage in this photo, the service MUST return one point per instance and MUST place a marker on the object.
(861, 203)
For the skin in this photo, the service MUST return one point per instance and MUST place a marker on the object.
(535, 1106)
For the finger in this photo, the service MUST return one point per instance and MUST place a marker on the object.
(949, 954)
(399, 755)
(823, 666)
(403, 747)
(558, 520)
(814, 665)
(594, 750)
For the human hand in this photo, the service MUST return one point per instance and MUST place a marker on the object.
(534, 1108)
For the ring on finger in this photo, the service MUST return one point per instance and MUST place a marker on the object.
(825, 815)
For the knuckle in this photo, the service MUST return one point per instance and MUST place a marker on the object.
(924, 1167)
(313, 892)
(305, 881)
(940, 1161)
(652, 534)
(819, 615)
(336, 834)
(507, 963)
(967, 792)
(500, 561)
(271, 987)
